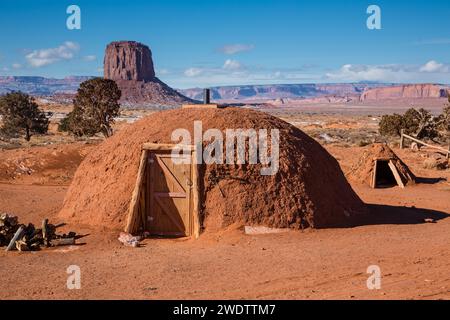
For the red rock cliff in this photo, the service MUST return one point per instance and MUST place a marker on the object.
(405, 91)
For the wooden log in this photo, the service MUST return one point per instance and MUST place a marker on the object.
(22, 246)
(45, 229)
(396, 174)
(46, 232)
(164, 146)
(62, 224)
(19, 233)
(134, 217)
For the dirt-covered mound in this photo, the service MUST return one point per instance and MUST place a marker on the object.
(363, 170)
(309, 189)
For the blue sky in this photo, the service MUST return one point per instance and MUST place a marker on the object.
(208, 43)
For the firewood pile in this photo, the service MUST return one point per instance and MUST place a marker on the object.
(22, 237)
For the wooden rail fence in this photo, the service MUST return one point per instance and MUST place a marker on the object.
(405, 136)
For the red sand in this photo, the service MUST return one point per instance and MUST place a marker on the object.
(309, 189)
(313, 264)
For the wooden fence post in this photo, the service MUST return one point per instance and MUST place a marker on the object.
(402, 131)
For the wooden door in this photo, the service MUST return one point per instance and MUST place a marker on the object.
(396, 175)
(169, 194)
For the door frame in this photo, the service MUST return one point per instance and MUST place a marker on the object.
(137, 215)
(391, 166)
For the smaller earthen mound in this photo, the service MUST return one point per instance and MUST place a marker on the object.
(380, 166)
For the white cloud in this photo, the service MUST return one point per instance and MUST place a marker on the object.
(43, 57)
(231, 65)
(16, 65)
(431, 71)
(351, 72)
(193, 72)
(236, 48)
(434, 66)
(234, 73)
(90, 58)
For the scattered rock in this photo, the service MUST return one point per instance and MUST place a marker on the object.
(263, 230)
(129, 240)
(415, 147)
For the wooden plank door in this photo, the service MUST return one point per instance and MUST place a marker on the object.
(396, 175)
(169, 194)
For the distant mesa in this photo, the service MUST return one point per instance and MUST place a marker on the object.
(412, 91)
(130, 65)
(282, 91)
(323, 93)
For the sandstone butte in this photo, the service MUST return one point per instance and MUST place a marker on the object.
(130, 65)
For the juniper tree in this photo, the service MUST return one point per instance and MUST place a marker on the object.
(419, 123)
(444, 122)
(21, 115)
(95, 107)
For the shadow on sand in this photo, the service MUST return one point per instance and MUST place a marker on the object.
(429, 180)
(384, 214)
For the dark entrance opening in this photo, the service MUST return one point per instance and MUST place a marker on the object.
(384, 176)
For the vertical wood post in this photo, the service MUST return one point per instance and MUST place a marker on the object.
(134, 218)
(196, 195)
(374, 174)
(402, 138)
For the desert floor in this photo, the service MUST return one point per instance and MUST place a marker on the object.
(414, 256)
